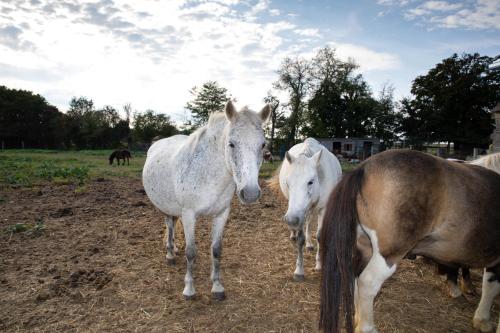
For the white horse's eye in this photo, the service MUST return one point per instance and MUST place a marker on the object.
(231, 144)
(310, 182)
(263, 145)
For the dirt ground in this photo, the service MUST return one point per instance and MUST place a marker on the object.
(99, 266)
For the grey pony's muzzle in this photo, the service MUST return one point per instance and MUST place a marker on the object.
(249, 194)
(293, 221)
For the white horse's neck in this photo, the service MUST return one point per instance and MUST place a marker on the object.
(210, 140)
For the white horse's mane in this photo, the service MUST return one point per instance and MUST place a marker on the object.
(491, 161)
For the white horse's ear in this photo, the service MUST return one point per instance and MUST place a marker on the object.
(230, 111)
(265, 113)
(317, 157)
(289, 157)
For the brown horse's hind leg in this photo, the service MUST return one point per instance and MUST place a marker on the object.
(368, 285)
(491, 288)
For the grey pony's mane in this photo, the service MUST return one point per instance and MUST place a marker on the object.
(491, 161)
(216, 124)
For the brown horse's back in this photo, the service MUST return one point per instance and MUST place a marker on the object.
(432, 207)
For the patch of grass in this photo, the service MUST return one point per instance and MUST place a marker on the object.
(27, 168)
(31, 230)
(267, 169)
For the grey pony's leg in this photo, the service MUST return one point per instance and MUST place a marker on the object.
(217, 232)
(318, 233)
(491, 288)
(298, 275)
(170, 243)
(189, 223)
(309, 244)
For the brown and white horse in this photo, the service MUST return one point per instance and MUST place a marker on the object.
(492, 162)
(400, 202)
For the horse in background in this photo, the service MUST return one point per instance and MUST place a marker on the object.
(492, 162)
(306, 177)
(268, 156)
(197, 175)
(120, 154)
(403, 202)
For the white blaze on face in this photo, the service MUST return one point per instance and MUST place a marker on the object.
(303, 187)
(245, 142)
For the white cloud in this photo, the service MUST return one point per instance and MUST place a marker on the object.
(308, 32)
(274, 12)
(150, 53)
(367, 59)
(472, 15)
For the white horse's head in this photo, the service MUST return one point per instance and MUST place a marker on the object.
(302, 181)
(244, 144)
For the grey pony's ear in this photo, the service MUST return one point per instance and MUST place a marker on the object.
(289, 157)
(317, 157)
(265, 113)
(230, 111)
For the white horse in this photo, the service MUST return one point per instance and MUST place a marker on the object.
(197, 175)
(491, 161)
(306, 177)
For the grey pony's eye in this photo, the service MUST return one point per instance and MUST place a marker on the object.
(310, 182)
(263, 145)
(231, 144)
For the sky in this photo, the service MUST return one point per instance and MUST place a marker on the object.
(150, 53)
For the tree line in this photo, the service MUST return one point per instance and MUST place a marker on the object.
(323, 96)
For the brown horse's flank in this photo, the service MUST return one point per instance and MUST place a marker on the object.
(415, 203)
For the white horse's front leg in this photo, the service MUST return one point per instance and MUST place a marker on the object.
(318, 233)
(170, 244)
(298, 275)
(189, 223)
(491, 288)
(217, 232)
(309, 244)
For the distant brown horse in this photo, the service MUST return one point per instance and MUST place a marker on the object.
(120, 154)
(268, 156)
(400, 202)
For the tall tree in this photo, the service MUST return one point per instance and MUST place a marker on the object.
(276, 116)
(294, 78)
(149, 124)
(208, 99)
(453, 100)
(29, 120)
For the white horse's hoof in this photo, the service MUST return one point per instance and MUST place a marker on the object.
(369, 329)
(170, 261)
(189, 297)
(483, 325)
(454, 291)
(219, 296)
(298, 277)
(317, 268)
(310, 248)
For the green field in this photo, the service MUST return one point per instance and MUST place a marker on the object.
(28, 168)
(32, 167)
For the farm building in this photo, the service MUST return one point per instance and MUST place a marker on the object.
(361, 148)
(496, 133)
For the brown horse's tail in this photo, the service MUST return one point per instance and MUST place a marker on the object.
(339, 254)
(112, 157)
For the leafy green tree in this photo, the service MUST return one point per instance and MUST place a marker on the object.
(453, 102)
(149, 125)
(28, 119)
(277, 118)
(208, 99)
(341, 102)
(294, 78)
